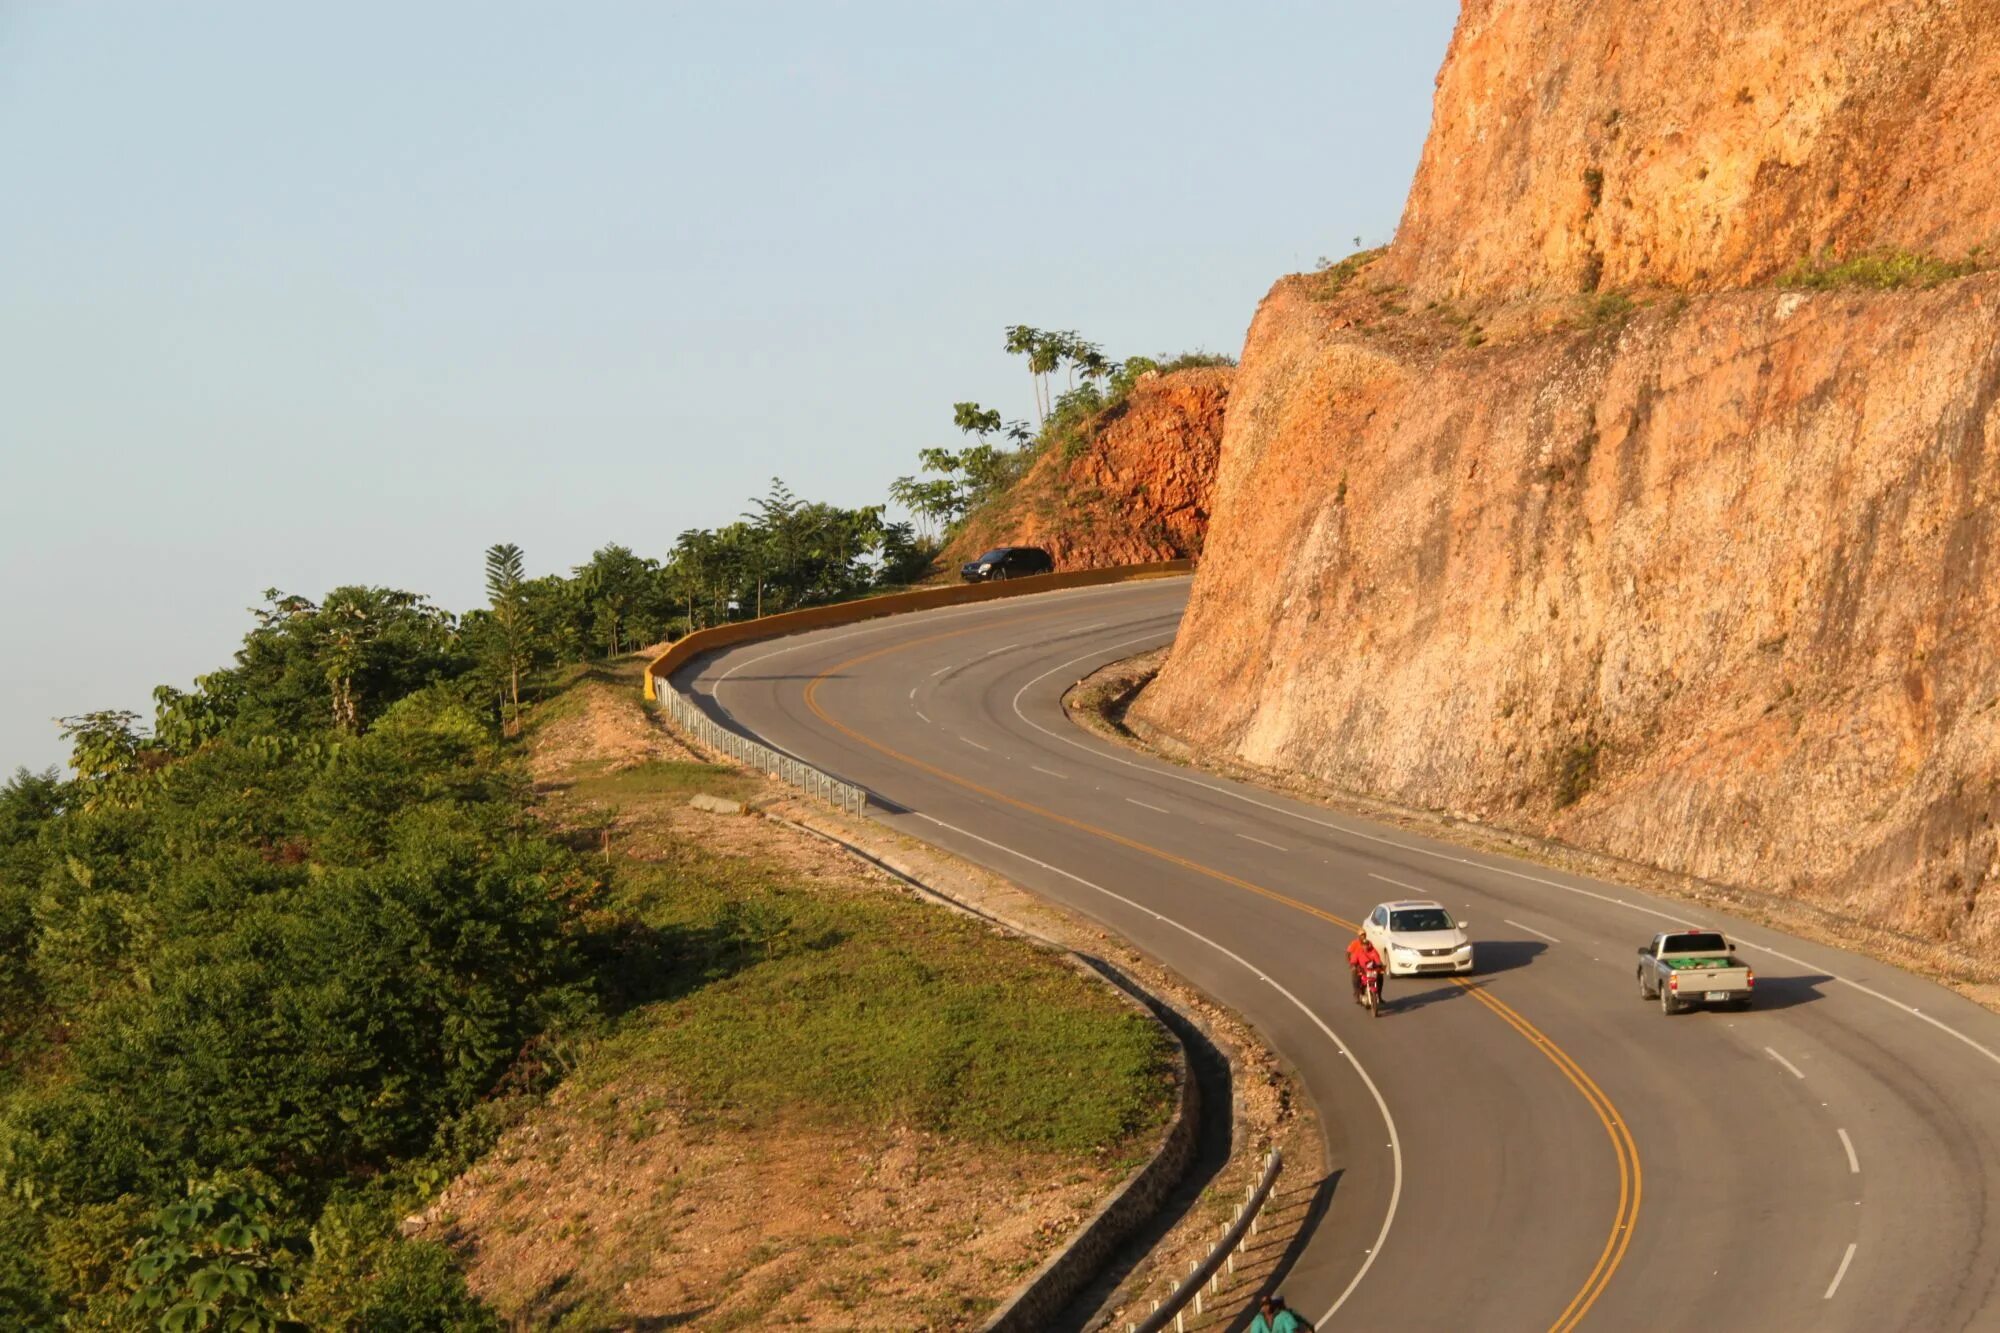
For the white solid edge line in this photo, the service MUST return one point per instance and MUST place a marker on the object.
(1841, 1272)
(1395, 1141)
(1157, 809)
(1260, 842)
(1531, 930)
(1853, 1162)
(1509, 871)
(1783, 1061)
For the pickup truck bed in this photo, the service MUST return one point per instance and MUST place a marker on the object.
(1686, 969)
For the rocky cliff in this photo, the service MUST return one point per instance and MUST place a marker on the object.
(1578, 144)
(1135, 487)
(1705, 579)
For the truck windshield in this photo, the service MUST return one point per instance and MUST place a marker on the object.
(1708, 942)
(1424, 918)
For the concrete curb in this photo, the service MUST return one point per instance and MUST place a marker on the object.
(1050, 1289)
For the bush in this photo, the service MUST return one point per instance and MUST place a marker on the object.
(1881, 270)
(367, 1278)
(1332, 278)
(1576, 770)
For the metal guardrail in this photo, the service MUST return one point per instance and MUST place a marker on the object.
(1205, 1277)
(812, 781)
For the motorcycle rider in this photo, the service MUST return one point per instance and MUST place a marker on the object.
(1362, 955)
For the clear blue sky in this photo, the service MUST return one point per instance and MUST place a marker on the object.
(300, 295)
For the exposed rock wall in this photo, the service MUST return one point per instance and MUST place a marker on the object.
(1712, 586)
(1138, 490)
(1707, 143)
(1709, 584)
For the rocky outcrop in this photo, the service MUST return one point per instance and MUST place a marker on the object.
(1579, 144)
(1708, 583)
(1137, 488)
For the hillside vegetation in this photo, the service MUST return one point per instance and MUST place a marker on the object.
(277, 968)
(825, 1100)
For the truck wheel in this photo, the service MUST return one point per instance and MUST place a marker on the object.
(1668, 1004)
(1644, 994)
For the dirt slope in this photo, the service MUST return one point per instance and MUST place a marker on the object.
(1708, 584)
(1138, 490)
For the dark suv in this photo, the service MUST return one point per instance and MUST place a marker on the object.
(1007, 562)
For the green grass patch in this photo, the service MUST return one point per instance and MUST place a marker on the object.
(1882, 270)
(1332, 278)
(661, 779)
(870, 1008)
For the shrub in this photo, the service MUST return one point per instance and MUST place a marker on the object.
(1576, 770)
(1334, 277)
(1881, 270)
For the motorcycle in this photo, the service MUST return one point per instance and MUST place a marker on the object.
(1371, 990)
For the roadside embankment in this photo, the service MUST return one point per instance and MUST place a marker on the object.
(1143, 1238)
(1135, 485)
(821, 1102)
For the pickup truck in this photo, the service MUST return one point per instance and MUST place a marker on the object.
(1685, 969)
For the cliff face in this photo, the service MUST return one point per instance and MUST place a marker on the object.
(1138, 490)
(1709, 584)
(1577, 143)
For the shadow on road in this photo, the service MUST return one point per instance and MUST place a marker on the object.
(1505, 955)
(1311, 1202)
(1787, 992)
(1396, 1001)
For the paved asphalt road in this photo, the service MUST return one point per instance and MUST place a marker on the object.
(1537, 1150)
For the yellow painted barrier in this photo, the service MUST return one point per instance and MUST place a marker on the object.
(702, 641)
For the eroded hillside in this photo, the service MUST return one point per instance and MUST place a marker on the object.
(1700, 578)
(1136, 486)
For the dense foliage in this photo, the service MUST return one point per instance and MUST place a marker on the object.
(261, 968)
(275, 965)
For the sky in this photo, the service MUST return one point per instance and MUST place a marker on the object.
(296, 296)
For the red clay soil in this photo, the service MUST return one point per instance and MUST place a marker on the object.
(1138, 491)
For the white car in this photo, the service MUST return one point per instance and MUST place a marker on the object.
(1418, 936)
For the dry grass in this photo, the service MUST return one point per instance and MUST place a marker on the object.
(832, 1106)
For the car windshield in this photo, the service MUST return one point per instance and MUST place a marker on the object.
(1420, 918)
(1706, 942)
(993, 556)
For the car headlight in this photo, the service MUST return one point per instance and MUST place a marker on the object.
(1464, 948)
(1401, 948)
(984, 568)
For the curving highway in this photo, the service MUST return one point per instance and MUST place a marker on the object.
(1533, 1149)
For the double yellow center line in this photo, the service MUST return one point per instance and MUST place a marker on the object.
(1622, 1147)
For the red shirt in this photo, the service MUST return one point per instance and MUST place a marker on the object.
(1361, 952)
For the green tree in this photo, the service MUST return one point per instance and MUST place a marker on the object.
(103, 744)
(617, 585)
(216, 1259)
(511, 641)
